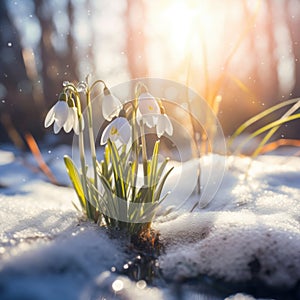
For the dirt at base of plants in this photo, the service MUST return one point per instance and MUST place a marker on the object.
(143, 250)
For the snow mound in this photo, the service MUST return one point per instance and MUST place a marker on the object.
(60, 268)
(46, 252)
(251, 230)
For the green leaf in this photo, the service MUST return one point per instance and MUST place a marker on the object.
(293, 109)
(161, 168)
(117, 169)
(143, 195)
(260, 116)
(93, 194)
(107, 202)
(267, 127)
(154, 163)
(75, 179)
(161, 185)
(76, 207)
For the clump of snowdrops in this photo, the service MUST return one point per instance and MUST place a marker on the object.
(112, 195)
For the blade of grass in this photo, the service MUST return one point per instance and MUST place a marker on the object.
(273, 130)
(75, 179)
(242, 86)
(161, 185)
(34, 148)
(153, 166)
(267, 127)
(117, 169)
(258, 117)
(279, 143)
(109, 203)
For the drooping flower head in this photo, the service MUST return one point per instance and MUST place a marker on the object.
(64, 114)
(72, 120)
(58, 114)
(111, 105)
(118, 130)
(164, 125)
(148, 110)
(151, 113)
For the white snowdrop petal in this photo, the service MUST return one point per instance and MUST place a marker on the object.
(164, 125)
(118, 129)
(68, 126)
(111, 106)
(57, 128)
(76, 122)
(148, 104)
(49, 117)
(106, 111)
(117, 103)
(70, 121)
(61, 112)
(125, 132)
(150, 120)
(105, 134)
(143, 104)
(160, 128)
(168, 125)
(73, 111)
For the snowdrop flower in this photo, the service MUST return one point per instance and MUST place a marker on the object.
(58, 114)
(148, 110)
(118, 130)
(72, 121)
(150, 113)
(111, 105)
(164, 125)
(81, 87)
(64, 115)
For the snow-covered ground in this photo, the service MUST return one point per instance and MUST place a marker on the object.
(250, 231)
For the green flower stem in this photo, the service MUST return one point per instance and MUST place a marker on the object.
(96, 82)
(82, 156)
(83, 170)
(144, 153)
(139, 89)
(91, 132)
(91, 136)
(135, 144)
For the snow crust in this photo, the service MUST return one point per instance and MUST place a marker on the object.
(46, 252)
(251, 230)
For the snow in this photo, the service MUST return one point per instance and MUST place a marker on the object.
(44, 247)
(249, 231)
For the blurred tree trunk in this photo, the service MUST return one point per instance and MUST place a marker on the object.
(56, 67)
(294, 27)
(136, 41)
(69, 69)
(272, 89)
(15, 86)
(50, 63)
